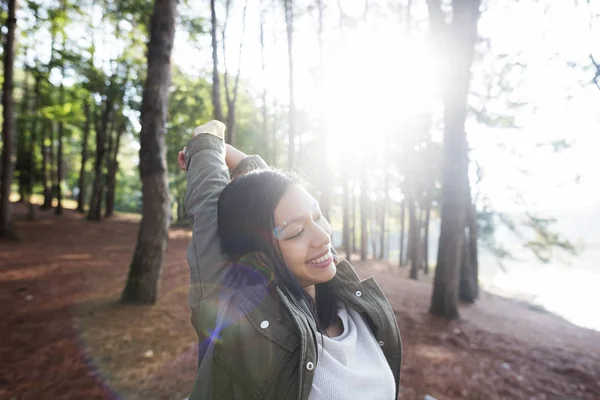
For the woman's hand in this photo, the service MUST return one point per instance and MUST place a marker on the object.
(233, 157)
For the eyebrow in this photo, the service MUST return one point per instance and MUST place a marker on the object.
(299, 218)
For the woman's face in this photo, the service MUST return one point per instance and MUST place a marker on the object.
(304, 237)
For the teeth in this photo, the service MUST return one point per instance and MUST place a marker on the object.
(320, 259)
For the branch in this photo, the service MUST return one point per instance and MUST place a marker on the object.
(225, 80)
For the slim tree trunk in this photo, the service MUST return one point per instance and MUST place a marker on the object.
(382, 237)
(84, 156)
(469, 286)
(457, 38)
(265, 119)
(346, 216)
(216, 84)
(46, 152)
(8, 125)
(22, 164)
(289, 21)
(32, 145)
(95, 211)
(113, 168)
(414, 232)
(231, 95)
(353, 199)
(426, 238)
(364, 235)
(146, 266)
(60, 164)
(402, 229)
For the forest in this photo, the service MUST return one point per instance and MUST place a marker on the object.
(449, 144)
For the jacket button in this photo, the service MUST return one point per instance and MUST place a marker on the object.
(358, 293)
(264, 324)
(381, 342)
(310, 366)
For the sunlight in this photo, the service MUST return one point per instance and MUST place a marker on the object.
(372, 89)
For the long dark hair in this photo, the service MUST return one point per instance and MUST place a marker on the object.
(246, 221)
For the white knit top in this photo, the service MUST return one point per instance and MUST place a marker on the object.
(352, 365)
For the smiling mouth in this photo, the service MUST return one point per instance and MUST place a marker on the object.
(325, 258)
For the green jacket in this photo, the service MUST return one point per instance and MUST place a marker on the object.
(254, 341)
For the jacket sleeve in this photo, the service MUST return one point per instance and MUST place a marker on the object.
(207, 175)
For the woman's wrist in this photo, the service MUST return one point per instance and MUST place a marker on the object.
(233, 156)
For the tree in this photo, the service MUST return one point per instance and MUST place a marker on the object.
(232, 95)
(289, 22)
(216, 84)
(84, 155)
(8, 125)
(146, 266)
(457, 40)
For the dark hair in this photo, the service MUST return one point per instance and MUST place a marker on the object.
(246, 221)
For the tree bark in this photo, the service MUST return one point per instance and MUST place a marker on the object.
(402, 230)
(414, 233)
(353, 231)
(95, 211)
(32, 145)
(289, 21)
(382, 237)
(84, 156)
(22, 164)
(61, 95)
(346, 216)
(112, 169)
(364, 235)
(426, 238)
(265, 119)
(469, 285)
(457, 39)
(46, 165)
(146, 266)
(7, 228)
(216, 86)
(232, 97)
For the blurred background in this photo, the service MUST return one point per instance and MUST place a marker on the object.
(442, 138)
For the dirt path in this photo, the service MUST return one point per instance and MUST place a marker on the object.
(64, 336)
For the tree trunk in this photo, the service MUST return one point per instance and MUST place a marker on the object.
(457, 39)
(22, 164)
(146, 266)
(61, 95)
(402, 230)
(8, 125)
(469, 285)
(414, 233)
(216, 86)
(364, 235)
(46, 165)
(232, 97)
(346, 215)
(426, 238)
(353, 198)
(265, 119)
(382, 237)
(84, 156)
(95, 211)
(113, 168)
(289, 21)
(32, 145)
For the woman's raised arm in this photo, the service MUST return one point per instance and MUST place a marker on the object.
(207, 160)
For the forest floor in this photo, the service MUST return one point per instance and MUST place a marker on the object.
(63, 334)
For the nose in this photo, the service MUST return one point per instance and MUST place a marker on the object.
(321, 233)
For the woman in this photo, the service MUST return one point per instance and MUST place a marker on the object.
(278, 317)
